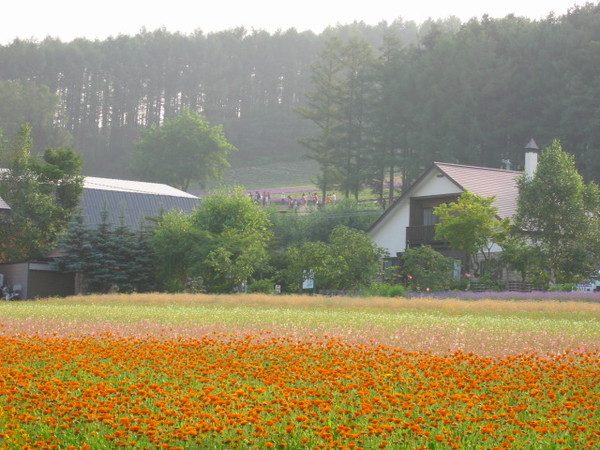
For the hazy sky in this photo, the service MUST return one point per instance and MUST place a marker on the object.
(69, 19)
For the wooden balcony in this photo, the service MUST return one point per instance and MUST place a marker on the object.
(424, 235)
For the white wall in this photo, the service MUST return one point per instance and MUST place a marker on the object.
(433, 185)
(390, 233)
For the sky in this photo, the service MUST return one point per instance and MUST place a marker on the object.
(70, 19)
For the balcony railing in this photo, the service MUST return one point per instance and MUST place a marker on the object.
(423, 235)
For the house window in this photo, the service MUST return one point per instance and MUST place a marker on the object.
(429, 218)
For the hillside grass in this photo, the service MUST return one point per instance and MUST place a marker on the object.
(273, 175)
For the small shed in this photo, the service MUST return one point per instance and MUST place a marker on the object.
(37, 279)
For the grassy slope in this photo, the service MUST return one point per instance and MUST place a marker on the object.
(271, 175)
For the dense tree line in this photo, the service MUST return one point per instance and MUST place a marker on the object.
(472, 96)
(471, 93)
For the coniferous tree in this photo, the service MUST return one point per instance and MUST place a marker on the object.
(75, 247)
(340, 107)
(390, 121)
(323, 110)
(108, 258)
(356, 111)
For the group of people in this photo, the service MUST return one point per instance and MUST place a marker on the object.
(310, 199)
(262, 199)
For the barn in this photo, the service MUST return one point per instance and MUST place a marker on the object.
(132, 203)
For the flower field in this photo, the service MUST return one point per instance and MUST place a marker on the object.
(293, 372)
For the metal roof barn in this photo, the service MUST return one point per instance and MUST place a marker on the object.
(131, 202)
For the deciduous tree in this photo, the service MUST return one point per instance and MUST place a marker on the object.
(471, 224)
(348, 260)
(558, 215)
(43, 195)
(237, 232)
(183, 150)
(221, 245)
(174, 242)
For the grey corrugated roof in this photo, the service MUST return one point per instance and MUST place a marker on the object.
(3, 204)
(487, 182)
(134, 201)
(131, 201)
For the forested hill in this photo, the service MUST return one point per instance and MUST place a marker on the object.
(471, 93)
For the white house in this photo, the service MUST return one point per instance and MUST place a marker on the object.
(409, 221)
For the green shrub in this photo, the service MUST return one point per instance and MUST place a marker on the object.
(460, 284)
(384, 290)
(425, 269)
(266, 286)
(194, 285)
(565, 287)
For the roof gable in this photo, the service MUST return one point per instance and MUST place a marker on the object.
(483, 181)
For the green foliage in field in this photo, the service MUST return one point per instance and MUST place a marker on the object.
(348, 260)
(384, 290)
(223, 244)
(425, 269)
(292, 228)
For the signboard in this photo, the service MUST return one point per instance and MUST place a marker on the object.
(585, 287)
(309, 279)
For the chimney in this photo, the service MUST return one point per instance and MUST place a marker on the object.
(531, 158)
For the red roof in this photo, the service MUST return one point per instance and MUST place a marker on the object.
(487, 182)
